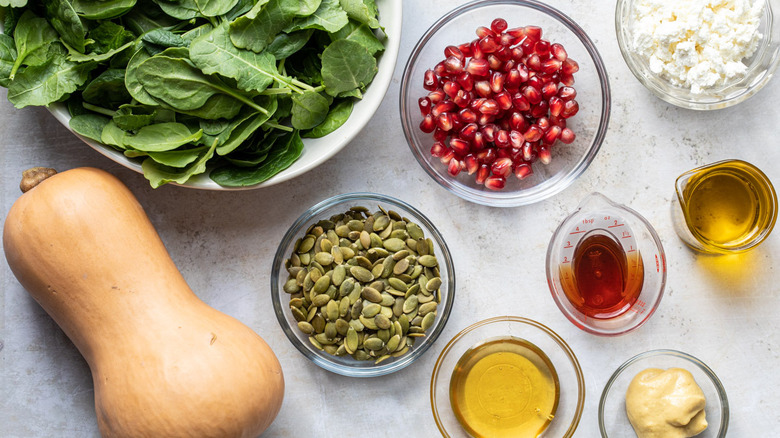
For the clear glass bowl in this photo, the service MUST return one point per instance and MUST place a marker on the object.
(761, 66)
(593, 94)
(346, 365)
(613, 421)
(572, 383)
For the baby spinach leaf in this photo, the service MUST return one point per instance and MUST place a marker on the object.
(258, 28)
(113, 135)
(67, 23)
(32, 38)
(107, 89)
(214, 8)
(108, 36)
(146, 16)
(13, 3)
(134, 87)
(280, 158)
(309, 110)
(364, 11)
(241, 7)
(328, 17)
(239, 133)
(180, 9)
(346, 66)
(102, 9)
(285, 45)
(11, 17)
(216, 107)
(7, 57)
(161, 137)
(337, 116)
(76, 56)
(133, 117)
(215, 53)
(89, 125)
(47, 83)
(158, 174)
(359, 33)
(307, 7)
(163, 39)
(178, 158)
(305, 65)
(194, 33)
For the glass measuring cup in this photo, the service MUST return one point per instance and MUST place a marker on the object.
(606, 267)
(725, 207)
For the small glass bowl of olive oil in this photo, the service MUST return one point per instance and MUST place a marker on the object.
(507, 377)
(724, 208)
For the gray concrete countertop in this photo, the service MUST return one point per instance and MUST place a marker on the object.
(723, 310)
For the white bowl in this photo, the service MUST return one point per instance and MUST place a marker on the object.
(316, 150)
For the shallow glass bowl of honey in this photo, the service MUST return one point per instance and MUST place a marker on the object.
(507, 377)
(613, 420)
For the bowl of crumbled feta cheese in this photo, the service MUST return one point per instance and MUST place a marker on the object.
(700, 54)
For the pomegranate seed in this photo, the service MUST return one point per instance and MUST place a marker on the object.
(516, 139)
(444, 121)
(471, 164)
(558, 121)
(558, 52)
(570, 66)
(485, 119)
(552, 135)
(567, 136)
(454, 167)
(487, 156)
(494, 62)
(540, 109)
(489, 107)
(482, 173)
(517, 53)
(453, 51)
(478, 67)
(440, 135)
(528, 152)
(531, 94)
(478, 142)
(534, 62)
(533, 133)
(465, 49)
(533, 33)
(523, 170)
(453, 65)
(506, 40)
(520, 102)
(460, 146)
(499, 25)
(509, 65)
(544, 154)
(549, 89)
(494, 182)
(512, 80)
(483, 31)
(489, 132)
(430, 80)
(442, 107)
(517, 32)
(517, 121)
(542, 48)
(446, 156)
(465, 81)
(503, 53)
(502, 138)
(462, 98)
(543, 123)
(502, 167)
(535, 81)
(556, 106)
(527, 45)
(436, 96)
(524, 74)
(570, 108)
(476, 52)
(550, 66)
(451, 88)
(497, 82)
(468, 131)
(425, 106)
(438, 148)
(489, 44)
(483, 88)
(440, 70)
(476, 103)
(467, 116)
(428, 124)
(567, 93)
(567, 79)
(457, 125)
(504, 100)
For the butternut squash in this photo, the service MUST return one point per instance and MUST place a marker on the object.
(164, 364)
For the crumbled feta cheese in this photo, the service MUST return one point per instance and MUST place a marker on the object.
(697, 44)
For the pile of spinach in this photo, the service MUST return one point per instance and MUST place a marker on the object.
(191, 85)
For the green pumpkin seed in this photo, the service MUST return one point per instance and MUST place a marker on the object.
(428, 261)
(298, 314)
(296, 302)
(318, 322)
(393, 343)
(371, 294)
(306, 327)
(344, 307)
(324, 258)
(387, 299)
(401, 266)
(383, 334)
(371, 310)
(361, 274)
(330, 330)
(403, 320)
(332, 310)
(365, 239)
(357, 325)
(394, 244)
(355, 294)
(342, 326)
(398, 307)
(422, 298)
(401, 352)
(382, 322)
(305, 259)
(314, 342)
(368, 323)
(373, 344)
(433, 284)
(381, 222)
(322, 284)
(351, 341)
(402, 254)
(427, 321)
(306, 244)
(320, 300)
(387, 312)
(361, 355)
(325, 246)
(381, 359)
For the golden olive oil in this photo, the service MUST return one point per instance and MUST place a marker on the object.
(728, 205)
(504, 387)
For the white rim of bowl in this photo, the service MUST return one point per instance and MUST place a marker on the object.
(499, 198)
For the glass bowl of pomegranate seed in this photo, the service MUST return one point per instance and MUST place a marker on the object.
(679, 65)
(505, 103)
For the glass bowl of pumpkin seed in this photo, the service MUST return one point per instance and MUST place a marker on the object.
(362, 284)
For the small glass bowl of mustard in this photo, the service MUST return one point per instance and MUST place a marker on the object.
(613, 420)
